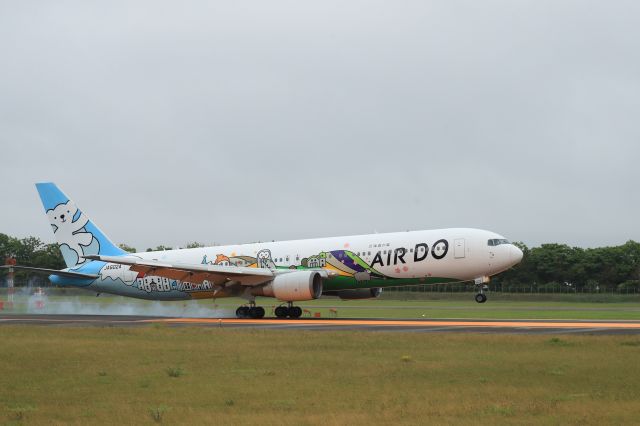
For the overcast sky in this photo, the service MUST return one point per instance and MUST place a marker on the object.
(238, 121)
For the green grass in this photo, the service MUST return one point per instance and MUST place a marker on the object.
(470, 309)
(73, 375)
(465, 309)
(462, 306)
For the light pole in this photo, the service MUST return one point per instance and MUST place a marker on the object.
(11, 261)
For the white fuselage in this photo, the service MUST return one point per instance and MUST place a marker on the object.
(362, 261)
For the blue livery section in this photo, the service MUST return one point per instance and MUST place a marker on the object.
(75, 233)
(92, 267)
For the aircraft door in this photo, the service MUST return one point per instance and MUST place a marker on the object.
(492, 256)
(459, 248)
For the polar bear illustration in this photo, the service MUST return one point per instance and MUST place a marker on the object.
(264, 259)
(69, 231)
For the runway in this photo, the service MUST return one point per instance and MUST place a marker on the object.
(424, 326)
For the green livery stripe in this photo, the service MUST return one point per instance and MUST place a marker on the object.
(361, 262)
(350, 283)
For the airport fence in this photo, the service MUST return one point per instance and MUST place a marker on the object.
(511, 289)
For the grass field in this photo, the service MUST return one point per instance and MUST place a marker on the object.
(192, 375)
(437, 306)
(496, 309)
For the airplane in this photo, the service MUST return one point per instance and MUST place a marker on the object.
(349, 267)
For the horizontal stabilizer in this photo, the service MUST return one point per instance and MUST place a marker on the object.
(66, 274)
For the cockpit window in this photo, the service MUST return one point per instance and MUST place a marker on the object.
(497, 242)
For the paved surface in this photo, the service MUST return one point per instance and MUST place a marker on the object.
(467, 326)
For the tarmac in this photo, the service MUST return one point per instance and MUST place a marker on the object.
(422, 326)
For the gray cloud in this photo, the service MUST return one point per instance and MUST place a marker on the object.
(241, 121)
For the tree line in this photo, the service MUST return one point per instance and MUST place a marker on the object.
(32, 251)
(554, 266)
(548, 266)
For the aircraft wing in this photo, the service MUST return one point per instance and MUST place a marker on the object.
(66, 274)
(192, 272)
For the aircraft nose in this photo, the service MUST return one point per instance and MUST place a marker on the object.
(515, 255)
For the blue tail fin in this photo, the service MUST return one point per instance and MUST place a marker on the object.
(75, 233)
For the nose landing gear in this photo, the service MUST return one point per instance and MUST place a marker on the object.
(481, 286)
(481, 298)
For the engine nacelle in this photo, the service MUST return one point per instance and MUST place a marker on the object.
(293, 286)
(360, 293)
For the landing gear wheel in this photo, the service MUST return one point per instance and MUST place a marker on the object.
(295, 312)
(243, 312)
(282, 312)
(481, 298)
(256, 312)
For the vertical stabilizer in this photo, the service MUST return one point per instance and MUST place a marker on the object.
(75, 233)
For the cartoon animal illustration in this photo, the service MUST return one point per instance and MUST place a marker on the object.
(69, 230)
(264, 259)
(316, 262)
(222, 260)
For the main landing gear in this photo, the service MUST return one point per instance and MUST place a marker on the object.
(252, 311)
(288, 311)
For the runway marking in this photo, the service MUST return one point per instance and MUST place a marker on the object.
(397, 323)
(49, 319)
(424, 325)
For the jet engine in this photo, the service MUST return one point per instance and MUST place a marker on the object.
(293, 286)
(360, 293)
